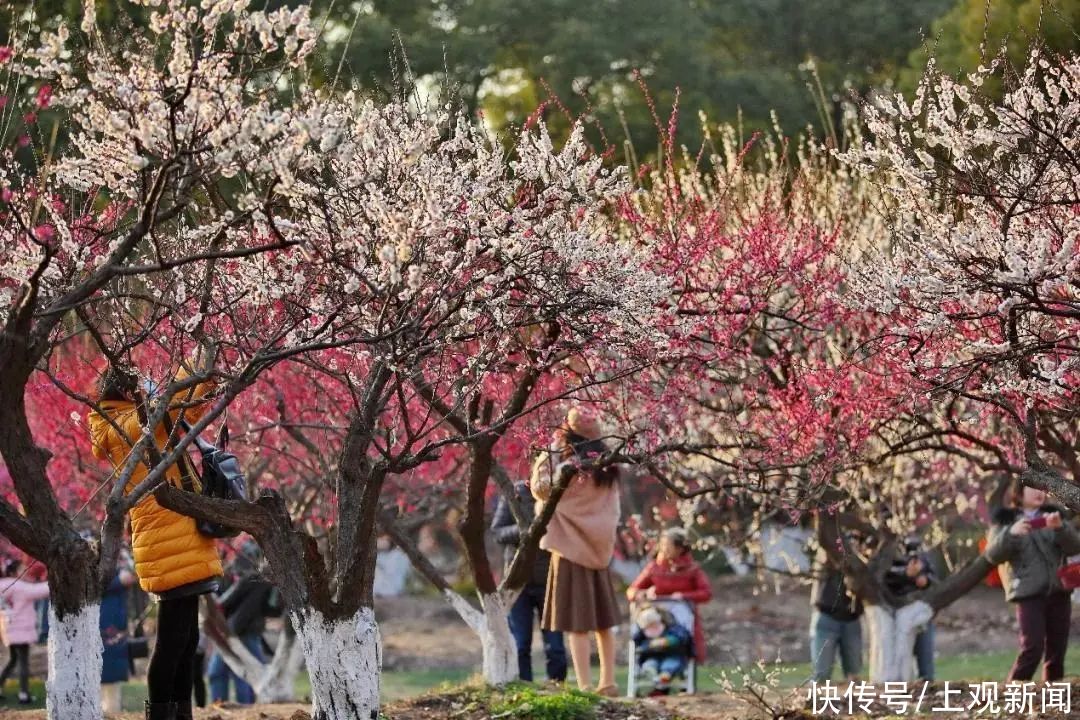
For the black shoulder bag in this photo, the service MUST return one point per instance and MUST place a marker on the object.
(221, 476)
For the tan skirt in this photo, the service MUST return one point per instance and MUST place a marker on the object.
(578, 599)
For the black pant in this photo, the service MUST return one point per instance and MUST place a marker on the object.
(170, 676)
(1044, 636)
(20, 654)
(199, 679)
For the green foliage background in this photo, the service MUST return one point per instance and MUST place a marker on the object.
(732, 59)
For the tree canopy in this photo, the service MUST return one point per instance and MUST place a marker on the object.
(739, 59)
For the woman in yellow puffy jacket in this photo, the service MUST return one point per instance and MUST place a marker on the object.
(173, 560)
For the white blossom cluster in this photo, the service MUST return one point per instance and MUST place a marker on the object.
(271, 216)
(180, 136)
(209, 101)
(420, 223)
(984, 268)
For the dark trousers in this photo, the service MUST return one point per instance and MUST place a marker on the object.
(529, 606)
(20, 655)
(198, 679)
(171, 674)
(1044, 632)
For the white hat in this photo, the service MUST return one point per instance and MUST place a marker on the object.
(648, 616)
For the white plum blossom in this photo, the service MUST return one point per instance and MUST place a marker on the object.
(981, 260)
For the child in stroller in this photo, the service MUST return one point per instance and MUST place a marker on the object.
(662, 648)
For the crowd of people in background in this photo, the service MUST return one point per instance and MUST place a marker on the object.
(247, 600)
(570, 592)
(1029, 539)
(1033, 546)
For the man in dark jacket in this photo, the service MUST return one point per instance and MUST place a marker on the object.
(245, 604)
(530, 603)
(910, 571)
(835, 623)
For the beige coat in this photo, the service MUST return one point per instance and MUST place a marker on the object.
(582, 530)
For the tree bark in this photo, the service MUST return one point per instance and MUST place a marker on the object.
(273, 681)
(491, 624)
(344, 659)
(473, 526)
(499, 649)
(892, 639)
(1042, 476)
(340, 645)
(278, 682)
(893, 621)
(73, 690)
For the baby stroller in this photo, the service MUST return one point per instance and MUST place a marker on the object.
(682, 612)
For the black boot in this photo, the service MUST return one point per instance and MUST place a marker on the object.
(160, 711)
(184, 712)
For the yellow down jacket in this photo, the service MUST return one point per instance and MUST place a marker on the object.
(170, 553)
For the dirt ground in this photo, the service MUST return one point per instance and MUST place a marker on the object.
(440, 707)
(744, 622)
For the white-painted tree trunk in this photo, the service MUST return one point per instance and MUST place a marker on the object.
(892, 639)
(278, 682)
(272, 682)
(344, 659)
(492, 624)
(73, 689)
(242, 662)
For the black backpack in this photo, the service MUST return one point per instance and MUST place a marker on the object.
(221, 477)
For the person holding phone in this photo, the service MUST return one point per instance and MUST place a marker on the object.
(1030, 541)
(580, 597)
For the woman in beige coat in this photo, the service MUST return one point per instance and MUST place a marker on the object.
(580, 598)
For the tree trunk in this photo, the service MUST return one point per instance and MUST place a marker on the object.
(499, 649)
(344, 658)
(278, 681)
(73, 691)
(892, 639)
(492, 624)
(273, 681)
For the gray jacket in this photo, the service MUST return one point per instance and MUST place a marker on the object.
(1029, 563)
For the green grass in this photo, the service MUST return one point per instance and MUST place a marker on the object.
(527, 701)
(991, 666)
(11, 695)
(399, 685)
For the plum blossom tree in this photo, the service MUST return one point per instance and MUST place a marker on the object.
(762, 384)
(133, 237)
(509, 418)
(446, 256)
(979, 277)
(773, 399)
(504, 404)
